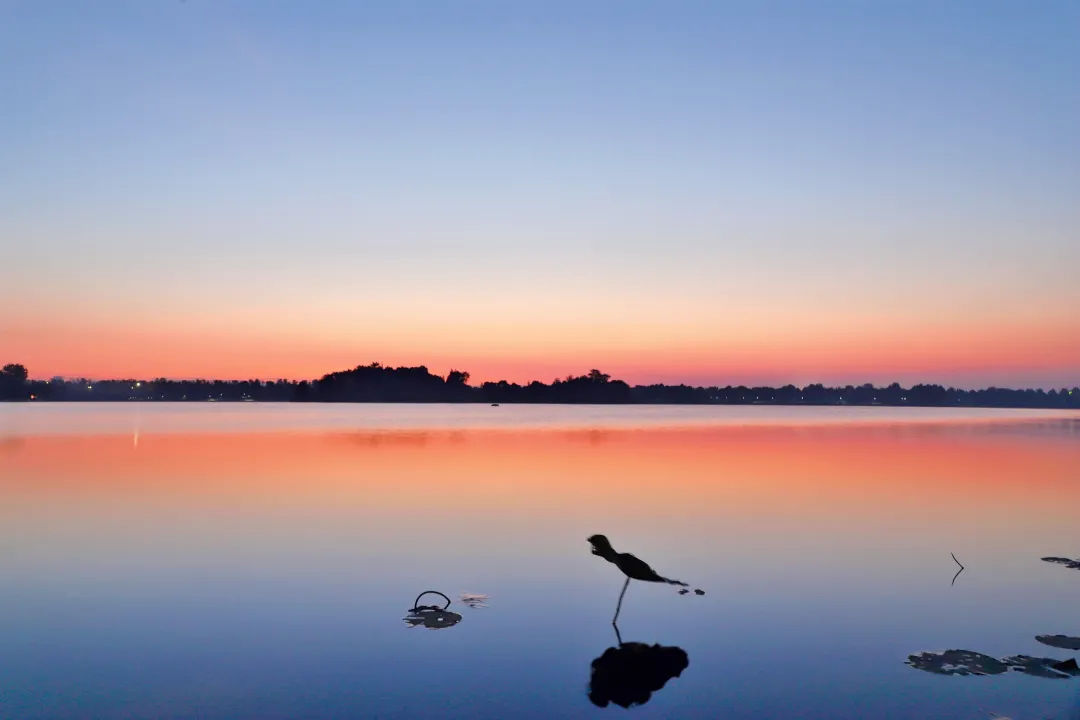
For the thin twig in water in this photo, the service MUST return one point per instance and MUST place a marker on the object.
(958, 571)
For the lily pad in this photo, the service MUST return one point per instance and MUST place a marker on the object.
(957, 662)
(1039, 667)
(431, 617)
(1067, 562)
(1060, 641)
(1068, 666)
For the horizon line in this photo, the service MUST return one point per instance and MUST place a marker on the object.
(831, 384)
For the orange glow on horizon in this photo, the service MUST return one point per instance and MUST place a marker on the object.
(1047, 353)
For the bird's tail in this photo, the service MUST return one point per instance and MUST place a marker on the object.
(669, 581)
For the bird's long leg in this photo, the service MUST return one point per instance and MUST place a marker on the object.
(619, 606)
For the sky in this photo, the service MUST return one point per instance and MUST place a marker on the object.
(711, 193)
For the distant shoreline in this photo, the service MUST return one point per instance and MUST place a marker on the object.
(958, 406)
(375, 383)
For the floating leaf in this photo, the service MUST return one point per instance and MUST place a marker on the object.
(1067, 562)
(1039, 667)
(957, 662)
(1060, 641)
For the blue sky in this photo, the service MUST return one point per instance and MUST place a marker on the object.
(642, 186)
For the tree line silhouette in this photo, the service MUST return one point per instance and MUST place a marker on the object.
(380, 383)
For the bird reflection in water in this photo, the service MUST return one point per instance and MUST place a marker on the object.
(432, 617)
(631, 672)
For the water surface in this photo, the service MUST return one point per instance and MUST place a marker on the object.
(225, 561)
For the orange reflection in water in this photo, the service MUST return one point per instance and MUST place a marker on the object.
(822, 544)
(738, 473)
(821, 502)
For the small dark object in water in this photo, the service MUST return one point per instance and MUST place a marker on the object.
(699, 591)
(683, 591)
(962, 568)
(957, 662)
(494, 404)
(631, 673)
(1068, 666)
(474, 600)
(1042, 667)
(432, 617)
(967, 662)
(1060, 641)
(1067, 562)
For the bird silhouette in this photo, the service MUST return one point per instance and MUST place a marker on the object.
(632, 566)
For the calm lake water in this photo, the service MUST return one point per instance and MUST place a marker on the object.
(257, 560)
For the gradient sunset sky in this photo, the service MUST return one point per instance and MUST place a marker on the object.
(670, 191)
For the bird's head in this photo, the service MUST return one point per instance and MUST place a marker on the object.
(601, 546)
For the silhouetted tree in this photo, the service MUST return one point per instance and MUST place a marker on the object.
(13, 382)
(378, 383)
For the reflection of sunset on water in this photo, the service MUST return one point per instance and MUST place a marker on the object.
(718, 463)
(828, 535)
(713, 482)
